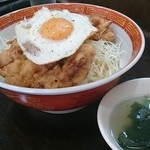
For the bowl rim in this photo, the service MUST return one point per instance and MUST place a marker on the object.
(145, 81)
(84, 87)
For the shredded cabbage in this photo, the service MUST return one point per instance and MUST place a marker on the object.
(106, 62)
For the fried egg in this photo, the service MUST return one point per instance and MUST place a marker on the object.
(51, 35)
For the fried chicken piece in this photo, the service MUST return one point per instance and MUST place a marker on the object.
(23, 72)
(12, 69)
(11, 60)
(104, 32)
(5, 58)
(77, 67)
(26, 75)
(11, 54)
(72, 71)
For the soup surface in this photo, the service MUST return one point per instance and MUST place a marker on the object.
(130, 123)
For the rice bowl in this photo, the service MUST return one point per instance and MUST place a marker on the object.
(81, 95)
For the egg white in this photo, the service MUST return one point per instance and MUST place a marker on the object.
(51, 50)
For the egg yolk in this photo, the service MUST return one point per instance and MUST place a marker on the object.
(56, 29)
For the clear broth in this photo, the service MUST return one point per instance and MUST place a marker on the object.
(119, 120)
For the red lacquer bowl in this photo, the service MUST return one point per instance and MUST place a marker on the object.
(73, 98)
